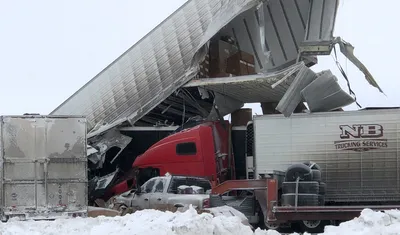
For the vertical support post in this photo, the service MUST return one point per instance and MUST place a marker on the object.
(297, 193)
(272, 198)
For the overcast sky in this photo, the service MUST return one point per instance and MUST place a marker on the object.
(49, 49)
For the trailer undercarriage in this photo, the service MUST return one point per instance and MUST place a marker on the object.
(267, 194)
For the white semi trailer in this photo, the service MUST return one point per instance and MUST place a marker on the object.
(43, 171)
(317, 169)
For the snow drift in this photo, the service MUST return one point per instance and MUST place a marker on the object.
(369, 223)
(189, 222)
(142, 222)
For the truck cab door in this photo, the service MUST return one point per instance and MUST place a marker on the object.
(142, 201)
(158, 199)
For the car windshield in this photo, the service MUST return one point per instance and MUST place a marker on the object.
(188, 181)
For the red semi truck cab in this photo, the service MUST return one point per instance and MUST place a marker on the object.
(199, 151)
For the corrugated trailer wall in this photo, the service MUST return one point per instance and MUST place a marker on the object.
(358, 151)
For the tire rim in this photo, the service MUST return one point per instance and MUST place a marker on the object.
(311, 223)
(272, 226)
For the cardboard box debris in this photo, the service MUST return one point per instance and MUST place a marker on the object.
(220, 51)
(241, 63)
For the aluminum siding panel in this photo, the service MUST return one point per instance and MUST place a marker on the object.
(284, 31)
(321, 20)
(350, 176)
(155, 67)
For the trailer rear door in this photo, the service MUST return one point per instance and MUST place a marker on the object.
(44, 165)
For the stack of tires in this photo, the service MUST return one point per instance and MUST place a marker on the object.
(303, 183)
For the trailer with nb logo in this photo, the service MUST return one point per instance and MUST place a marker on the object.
(311, 170)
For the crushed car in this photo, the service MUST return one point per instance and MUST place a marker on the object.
(165, 193)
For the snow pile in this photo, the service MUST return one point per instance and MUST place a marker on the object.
(142, 222)
(150, 222)
(369, 223)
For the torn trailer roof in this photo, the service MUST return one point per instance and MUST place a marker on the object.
(236, 51)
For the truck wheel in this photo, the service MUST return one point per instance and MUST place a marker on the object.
(317, 175)
(313, 226)
(321, 200)
(272, 226)
(312, 165)
(122, 209)
(322, 188)
(263, 224)
(304, 187)
(298, 171)
(302, 199)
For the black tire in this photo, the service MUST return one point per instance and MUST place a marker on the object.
(317, 175)
(312, 165)
(298, 170)
(322, 188)
(310, 187)
(264, 225)
(313, 226)
(123, 209)
(321, 200)
(303, 199)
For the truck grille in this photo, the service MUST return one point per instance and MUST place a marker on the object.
(249, 139)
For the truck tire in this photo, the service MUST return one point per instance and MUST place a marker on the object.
(298, 170)
(313, 226)
(311, 187)
(322, 188)
(304, 199)
(321, 200)
(312, 165)
(317, 175)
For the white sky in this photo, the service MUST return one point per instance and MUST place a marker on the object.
(49, 49)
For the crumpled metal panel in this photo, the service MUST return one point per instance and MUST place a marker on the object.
(348, 50)
(151, 70)
(165, 59)
(112, 138)
(325, 94)
(251, 88)
(292, 97)
(44, 164)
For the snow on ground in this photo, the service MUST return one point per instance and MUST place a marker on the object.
(369, 223)
(142, 222)
(189, 222)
